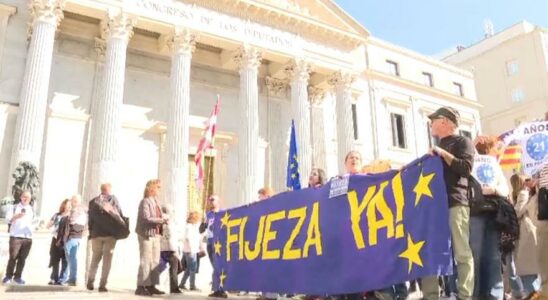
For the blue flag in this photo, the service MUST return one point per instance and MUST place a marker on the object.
(293, 179)
(356, 233)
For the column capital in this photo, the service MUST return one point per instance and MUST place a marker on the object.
(316, 95)
(341, 78)
(299, 70)
(119, 25)
(100, 47)
(248, 57)
(276, 87)
(46, 11)
(181, 40)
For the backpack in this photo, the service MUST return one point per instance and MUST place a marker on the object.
(477, 202)
(508, 223)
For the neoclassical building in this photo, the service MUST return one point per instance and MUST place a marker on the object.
(95, 91)
(117, 91)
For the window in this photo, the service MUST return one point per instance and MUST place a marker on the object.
(427, 79)
(465, 133)
(512, 67)
(355, 121)
(392, 68)
(517, 95)
(457, 89)
(398, 130)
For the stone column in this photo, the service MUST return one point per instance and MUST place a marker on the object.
(299, 72)
(107, 111)
(317, 127)
(248, 59)
(175, 180)
(343, 106)
(31, 118)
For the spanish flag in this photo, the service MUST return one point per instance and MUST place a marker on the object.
(509, 151)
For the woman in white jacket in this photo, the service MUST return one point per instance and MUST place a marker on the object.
(527, 249)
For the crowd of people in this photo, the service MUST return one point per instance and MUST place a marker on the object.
(484, 251)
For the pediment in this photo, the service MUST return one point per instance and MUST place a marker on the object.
(326, 12)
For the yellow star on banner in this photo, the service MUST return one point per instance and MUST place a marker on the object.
(423, 187)
(293, 176)
(224, 220)
(222, 279)
(292, 166)
(412, 253)
(217, 246)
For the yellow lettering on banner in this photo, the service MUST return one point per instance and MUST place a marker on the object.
(231, 238)
(290, 253)
(271, 235)
(241, 239)
(356, 210)
(314, 235)
(378, 203)
(253, 254)
(397, 188)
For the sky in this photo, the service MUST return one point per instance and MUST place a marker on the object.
(434, 27)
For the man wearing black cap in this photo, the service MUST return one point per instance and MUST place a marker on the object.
(457, 153)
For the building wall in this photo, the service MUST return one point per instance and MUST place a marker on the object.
(412, 65)
(498, 89)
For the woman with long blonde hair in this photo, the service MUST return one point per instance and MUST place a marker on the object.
(526, 254)
(191, 247)
(149, 231)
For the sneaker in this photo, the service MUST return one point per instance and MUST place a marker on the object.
(89, 286)
(18, 281)
(6, 280)
(175, 291)
(194, 289)
(182, 287)
(142, 291)
(218, 294)
(51, 282)
(154, 291)
(102, 289)
(71, 284)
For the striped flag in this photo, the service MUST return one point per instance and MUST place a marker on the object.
(509, 150)
(510, 158)
(206, 142)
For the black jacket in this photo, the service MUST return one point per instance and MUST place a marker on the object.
(456, 175)
(102, 223)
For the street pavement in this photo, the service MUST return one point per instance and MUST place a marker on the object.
(40, 292)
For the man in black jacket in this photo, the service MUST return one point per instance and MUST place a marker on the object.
(104, 212)
(457, 153)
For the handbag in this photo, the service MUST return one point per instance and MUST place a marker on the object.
(201, 254)
(478, 202)
(123, 230)
(543, 204)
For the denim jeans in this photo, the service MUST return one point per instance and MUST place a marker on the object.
(484, 241)
(531, 283)
(191, 265)
(71, 253)
(515, 280)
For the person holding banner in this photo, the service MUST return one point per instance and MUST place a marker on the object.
(214, 206)
(457, 153)
(484, 234)
(317, 178)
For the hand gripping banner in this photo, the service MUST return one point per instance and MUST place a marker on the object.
(374, 231)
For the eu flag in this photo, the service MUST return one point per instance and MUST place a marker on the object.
(293, 179)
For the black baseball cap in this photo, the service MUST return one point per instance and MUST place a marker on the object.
(446, 112)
